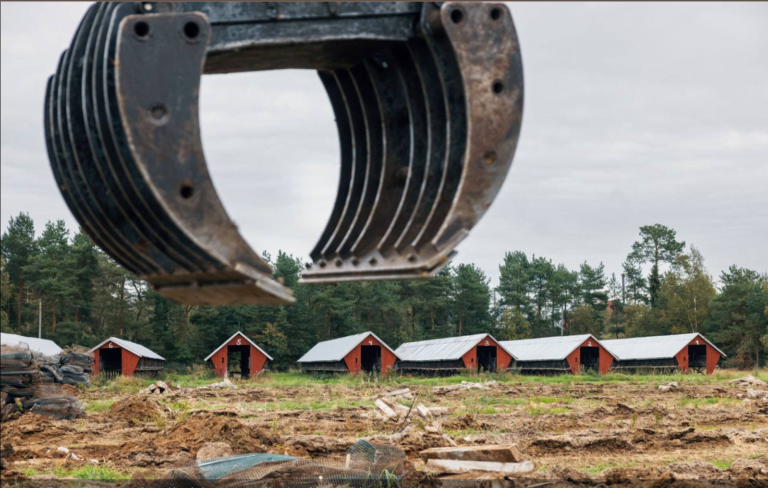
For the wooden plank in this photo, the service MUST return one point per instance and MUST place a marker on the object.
(492, 453)
(459, 467)
(385, 408)
(423, 411)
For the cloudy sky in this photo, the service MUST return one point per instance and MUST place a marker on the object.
(635, 114)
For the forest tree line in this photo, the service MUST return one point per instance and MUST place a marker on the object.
(86, 297)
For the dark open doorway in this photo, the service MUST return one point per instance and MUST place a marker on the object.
(111, 361)
(590, 359)
(697, 358)
(370, 358)
(486, 358)
(239, 363)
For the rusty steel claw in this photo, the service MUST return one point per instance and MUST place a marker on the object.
(428, 99)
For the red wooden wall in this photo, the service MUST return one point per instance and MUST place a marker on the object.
(221, 358)
(502, 357)
(353, 359)
(712, 356)
(574, 359)
(129, 359)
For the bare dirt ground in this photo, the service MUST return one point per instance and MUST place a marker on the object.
(592, 431)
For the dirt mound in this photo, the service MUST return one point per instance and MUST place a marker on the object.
(32, 427)
(750, 468)
(606, 445)
(467, 422)
(191, 434)
(694, 470)
(178, 445)
(564, 473)
(553, 445)
(709, 440)
(314, 445)
(136, 409)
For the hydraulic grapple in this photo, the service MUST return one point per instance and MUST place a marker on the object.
(428, 99)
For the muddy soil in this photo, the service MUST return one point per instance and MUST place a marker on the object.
(597, 433)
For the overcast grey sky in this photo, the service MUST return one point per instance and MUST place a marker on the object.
(635, 114)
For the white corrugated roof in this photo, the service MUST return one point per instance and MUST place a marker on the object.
(137, 349)
(244, 337)
(336, 349)
(446, 349)
(654, 347)
(547, 348)
(43, 346)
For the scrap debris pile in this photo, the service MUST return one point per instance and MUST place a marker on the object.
(365, 464)
(71, 367)
(31, 382)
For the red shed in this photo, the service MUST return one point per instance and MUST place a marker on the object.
(117, 357)
(452, 354)
(252, 358)
(677, 352)
(561, 354)
(355, 353)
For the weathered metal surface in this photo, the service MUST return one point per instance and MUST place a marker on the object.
(428, 100)
(654, 347)
(335, 349)
(137, 349)
(446, 349)
(548, 348)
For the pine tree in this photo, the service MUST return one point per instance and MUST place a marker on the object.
(5, 296)
(51, 272)
(635, 283)
(738, 319)
(18, 247)
(657, 244)
(472, 300)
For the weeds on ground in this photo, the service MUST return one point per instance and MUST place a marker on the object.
(200, 375)
(534, 411)
(596, 469)
(722, 463)
(89, 472)
(98, 406)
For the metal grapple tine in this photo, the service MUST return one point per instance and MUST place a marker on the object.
(428, 103)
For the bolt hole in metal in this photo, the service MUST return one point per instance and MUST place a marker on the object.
(490, 158)
(141, 29)
(159, 114)
(187, 190)
(191, 30)
(495, 14)
(497, 87)
(457, 15)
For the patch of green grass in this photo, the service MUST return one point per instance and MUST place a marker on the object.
(722, 463)
(596, 469)
(291, 405)
(178, 406)
(88, 472)
(200, 376)
(550, 400)
(28, 472)
(696, 403)
(98, 406)
(534, 411)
